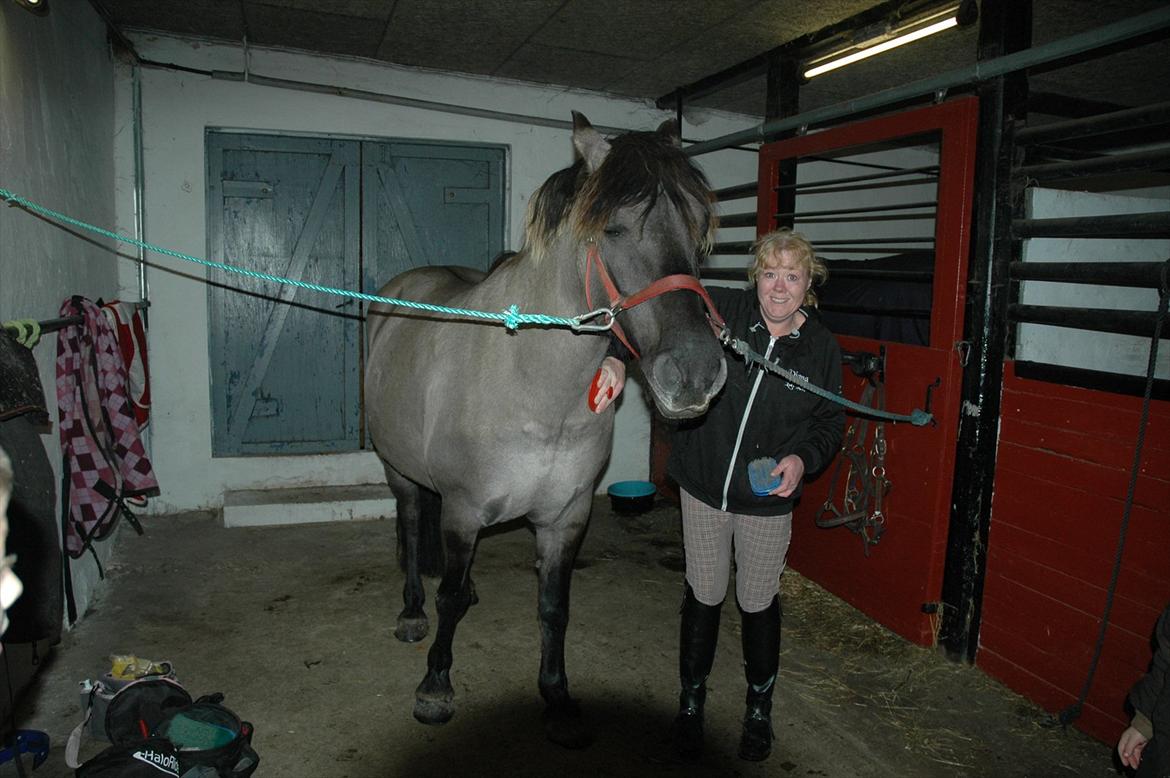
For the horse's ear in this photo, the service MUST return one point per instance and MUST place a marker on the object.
(589, 143)
(669, 128)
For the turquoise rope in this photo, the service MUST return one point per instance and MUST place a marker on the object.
(511, 316)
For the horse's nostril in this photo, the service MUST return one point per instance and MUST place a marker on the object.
(668, 375)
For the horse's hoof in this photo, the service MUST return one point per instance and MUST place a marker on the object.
(564, 726)
(433, 711)
(411, 630)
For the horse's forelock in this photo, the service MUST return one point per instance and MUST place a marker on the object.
(641, 167)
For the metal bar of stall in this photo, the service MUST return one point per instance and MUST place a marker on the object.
(52, 325)
(738, 219)
(1110, 163)
(869, 274)
(1127, 225)
(892, 217)
(745, 247)
(884, 250)
(875, 274)
(733, 247)
(723, 274)
(1129, 119)
(864, 220)
(874, 241)
(872, 209)
(1005, 31)
(870, 310)
(879, 185)
(49, 325)
(1145, 275)
(1092, 319)
(737, 192)
(1098, 38)
(868, 177)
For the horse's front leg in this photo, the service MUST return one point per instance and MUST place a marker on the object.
(557, 542)
(434, 697)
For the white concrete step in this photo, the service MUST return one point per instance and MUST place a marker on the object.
(274, 507)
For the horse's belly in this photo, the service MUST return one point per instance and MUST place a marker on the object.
(517, 474)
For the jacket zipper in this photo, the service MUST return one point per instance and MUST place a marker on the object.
(743, 424)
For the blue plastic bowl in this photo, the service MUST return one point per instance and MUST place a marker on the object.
(632, 496)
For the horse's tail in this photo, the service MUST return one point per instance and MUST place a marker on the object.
(430, 536)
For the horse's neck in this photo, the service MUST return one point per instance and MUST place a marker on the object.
(552, 285)
(549, 284)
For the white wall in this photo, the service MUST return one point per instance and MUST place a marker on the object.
(179, 106)
(1128, 354)
(57, 135)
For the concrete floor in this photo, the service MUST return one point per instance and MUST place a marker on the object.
(294, 625)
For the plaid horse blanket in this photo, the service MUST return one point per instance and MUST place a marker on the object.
(104, 459)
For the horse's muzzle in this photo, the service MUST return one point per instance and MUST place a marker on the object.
(683, 389)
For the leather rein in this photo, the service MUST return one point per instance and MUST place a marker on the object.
(619, 302)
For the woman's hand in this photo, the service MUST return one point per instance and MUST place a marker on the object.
(1129, 747)
(607, 384)
(791, 470)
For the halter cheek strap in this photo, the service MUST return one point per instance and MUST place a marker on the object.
(619, 303)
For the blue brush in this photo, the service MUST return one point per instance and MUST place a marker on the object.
(760, 475)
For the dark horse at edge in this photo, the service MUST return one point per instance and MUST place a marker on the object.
(496, 422)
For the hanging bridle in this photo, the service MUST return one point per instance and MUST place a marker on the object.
(619, 302)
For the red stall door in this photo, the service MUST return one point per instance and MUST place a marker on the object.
(899, 580)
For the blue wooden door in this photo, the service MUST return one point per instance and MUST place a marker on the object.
(430, 204)
(285, 362)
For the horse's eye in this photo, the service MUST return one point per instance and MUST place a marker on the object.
(614, 232)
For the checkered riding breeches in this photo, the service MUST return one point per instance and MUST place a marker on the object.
(760, 544)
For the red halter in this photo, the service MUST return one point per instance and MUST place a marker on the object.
(619, 303)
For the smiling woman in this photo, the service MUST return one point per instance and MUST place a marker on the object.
(758, 417)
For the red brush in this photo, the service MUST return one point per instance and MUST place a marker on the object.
(593, 387)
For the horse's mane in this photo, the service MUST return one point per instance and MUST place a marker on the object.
(640, 167)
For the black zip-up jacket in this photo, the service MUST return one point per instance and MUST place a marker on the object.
(709, 458)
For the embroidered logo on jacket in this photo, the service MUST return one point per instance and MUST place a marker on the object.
(790, 385)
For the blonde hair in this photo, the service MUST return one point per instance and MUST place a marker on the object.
(778, 241)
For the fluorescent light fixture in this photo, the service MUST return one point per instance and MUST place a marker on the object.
(841, 59)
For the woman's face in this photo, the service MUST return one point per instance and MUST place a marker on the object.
(781, 286)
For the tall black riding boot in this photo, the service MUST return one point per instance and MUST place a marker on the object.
(696, 653)
(761, 661)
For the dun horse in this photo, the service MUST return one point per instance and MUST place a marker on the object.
(496, 422)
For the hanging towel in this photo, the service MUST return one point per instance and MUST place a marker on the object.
(126, 321)
(105, 462)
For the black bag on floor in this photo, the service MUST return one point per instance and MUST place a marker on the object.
(206, 734)
(154, 724)
(152, 758)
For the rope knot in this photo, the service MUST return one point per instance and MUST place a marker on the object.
(512, 318)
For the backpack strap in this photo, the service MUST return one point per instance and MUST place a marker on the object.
(73, 745)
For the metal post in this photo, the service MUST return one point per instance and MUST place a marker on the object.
(783, 99)
(1005, 27)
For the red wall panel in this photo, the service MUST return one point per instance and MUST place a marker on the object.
(1062, 471)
